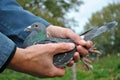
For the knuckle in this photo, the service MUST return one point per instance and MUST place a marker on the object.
(55, 74)
(82, 50)
(68, 31)
(64, 46)
(62, 74)
(82, 42)
(51, 48)
(89, 44)
(79, 48)
(50, 74)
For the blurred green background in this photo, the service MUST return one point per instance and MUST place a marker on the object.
(107, 68)
(106, 65)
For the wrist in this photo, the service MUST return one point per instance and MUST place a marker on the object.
(17, 59)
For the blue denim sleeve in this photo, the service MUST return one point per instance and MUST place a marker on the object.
(13, 20)
(7, 50)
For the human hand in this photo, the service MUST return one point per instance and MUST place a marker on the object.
(37, 60)
(82, 45)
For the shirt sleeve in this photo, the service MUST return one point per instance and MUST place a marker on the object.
(14, 19)
(7, 50)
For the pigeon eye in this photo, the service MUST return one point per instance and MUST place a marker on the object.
(36, 26)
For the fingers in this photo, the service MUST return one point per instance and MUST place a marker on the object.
(82, 51)
(89, 44)
(62, 47)
(70, 34)
(59, 71)
(56, 72)
(76, 58)
(70, 63)
(77, 39)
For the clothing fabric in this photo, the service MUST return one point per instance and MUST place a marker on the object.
(13, 20)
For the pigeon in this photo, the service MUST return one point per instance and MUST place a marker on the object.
(38, 36)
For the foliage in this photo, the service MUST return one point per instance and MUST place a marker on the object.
(108, 68)
(51, 10)
(110, 41)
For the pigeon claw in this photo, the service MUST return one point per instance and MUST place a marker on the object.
(93, 49)
(87, 63)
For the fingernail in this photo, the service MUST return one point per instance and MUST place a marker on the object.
(72, 45)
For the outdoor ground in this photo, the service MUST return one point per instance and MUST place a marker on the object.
(107, 68)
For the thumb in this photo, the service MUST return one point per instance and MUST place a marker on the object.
(59, 71)
(63, 47)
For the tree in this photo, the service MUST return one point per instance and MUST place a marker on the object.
(110, 41)
(51, 10)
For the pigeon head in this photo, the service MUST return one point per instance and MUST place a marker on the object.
(36, 27)
(37, 33)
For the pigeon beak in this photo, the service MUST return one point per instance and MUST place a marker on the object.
(27, 29)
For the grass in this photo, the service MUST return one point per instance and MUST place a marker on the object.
(107, 68)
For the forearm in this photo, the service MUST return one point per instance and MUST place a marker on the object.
(7, 50)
